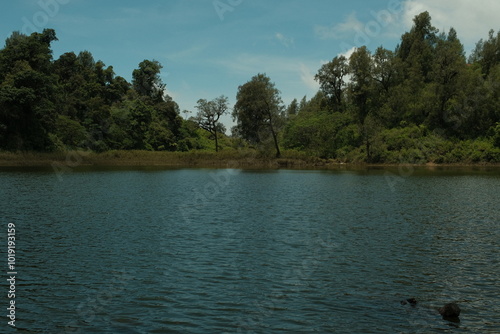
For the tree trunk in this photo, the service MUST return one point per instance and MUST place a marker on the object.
(216, 140)
(368, 151)
(275, 138)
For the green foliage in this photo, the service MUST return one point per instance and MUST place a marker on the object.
(209, 113)
(292, 109)
(410, 105)
(362, 84)
(259, 111)
(487, 53)
(418, 103)
(417, 49)
(70, 132)
(27, 92)
(496, 136)
(147, 82)
(77, 102)
(320, 132)
(332, 79)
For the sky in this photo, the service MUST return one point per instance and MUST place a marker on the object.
(209, 48)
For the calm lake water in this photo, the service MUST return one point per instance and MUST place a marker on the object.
(248, 251)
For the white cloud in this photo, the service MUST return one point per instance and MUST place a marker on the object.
(348, 53)
(293, 77)
(307, 77)
(170, 93)
(340, 30)
(471, 19)
(287, 42)
(251, 64)
(188, 53)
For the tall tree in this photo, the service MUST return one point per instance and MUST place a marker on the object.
(209, 113)
(258, 110)
(487, 53)
(302, 103)
(386, 69)
(361, 85)
(417, 54)
(387, 74)
(27, 92)
(361, 91)
(447, 69)
(165, 122)
(147, 82)
(332, 79)
(293, 109)
(417, 48)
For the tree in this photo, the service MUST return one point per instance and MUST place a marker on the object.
(385, 69)
(258, 110)
(87, 91)
(317, 103)
(332, 80)
(487, 53)
(417, 48)
(169, 112)
(302, 104)
(147, 82)
(387, 75)
(140, 116)
(361, 94)
(209, 113)
(319, 131)
(361, 85)
(417, 55)
(35, 49)
(496, 135)
(448, 67)
(293, 108)
(164, 122)
(27, 92)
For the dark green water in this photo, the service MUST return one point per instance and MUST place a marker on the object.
(232, 251)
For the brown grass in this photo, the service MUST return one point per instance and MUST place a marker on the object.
(224, 159)
(244, 158)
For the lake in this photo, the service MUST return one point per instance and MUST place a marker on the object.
(252, 251)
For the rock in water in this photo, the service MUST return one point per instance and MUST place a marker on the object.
(411, 301)
(450, 311)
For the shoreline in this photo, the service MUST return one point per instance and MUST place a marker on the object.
(201, 159)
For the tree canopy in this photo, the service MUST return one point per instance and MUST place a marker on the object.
(258, 111)
(209, 114)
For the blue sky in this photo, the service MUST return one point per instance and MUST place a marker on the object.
(210, 47)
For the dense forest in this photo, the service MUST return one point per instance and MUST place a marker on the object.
(425, 101)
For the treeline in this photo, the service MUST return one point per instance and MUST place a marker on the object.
(76, 102)
(424, 101)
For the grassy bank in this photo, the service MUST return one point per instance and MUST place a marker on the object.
(225, 159)
(240, 158)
